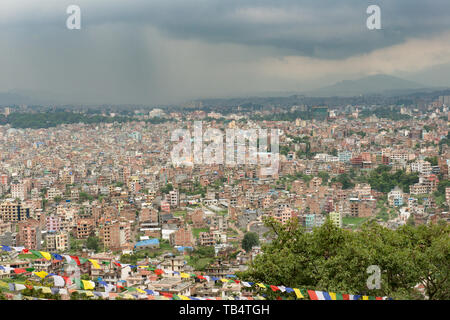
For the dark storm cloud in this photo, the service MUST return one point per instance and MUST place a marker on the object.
(323, 29)
(316, 28)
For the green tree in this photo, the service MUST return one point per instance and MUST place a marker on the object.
(167, 188)
(432, 160)
(93, 243)
(336, 260)
(345, 180)
(250, 240)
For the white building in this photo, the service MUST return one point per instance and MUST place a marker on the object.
(421, 166)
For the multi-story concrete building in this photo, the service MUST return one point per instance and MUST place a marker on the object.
(84, 228)
(53, 223)
(206, 238)
(182, 237)
(336, 218)
(29, 235)
(57, 241)
(115, 235)
(173, 198)
(421, 166)
(18, 191)
(14, 212)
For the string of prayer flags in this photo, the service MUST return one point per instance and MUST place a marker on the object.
(59, 281)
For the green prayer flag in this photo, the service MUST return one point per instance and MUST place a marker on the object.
(83, 260)
(36, 253)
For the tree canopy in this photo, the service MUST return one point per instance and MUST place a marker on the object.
(336, 260)
(250, 240)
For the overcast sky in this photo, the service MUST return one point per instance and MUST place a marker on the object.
(167, 51)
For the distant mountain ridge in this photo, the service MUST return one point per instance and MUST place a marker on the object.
(381, 84)
(376, 84)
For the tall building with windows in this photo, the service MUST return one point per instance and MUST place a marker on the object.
(336, 218)
(29, 235)
(18, 191)
(13, 212)
(57, 241)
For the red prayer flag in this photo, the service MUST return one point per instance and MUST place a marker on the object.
(345, 296)
(159, 271)
(76, 260)
(118, 264)
(313, 295)
(274, 288)
(19, 270)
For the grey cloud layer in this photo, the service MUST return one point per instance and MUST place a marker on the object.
(145, 51)
(323, 29)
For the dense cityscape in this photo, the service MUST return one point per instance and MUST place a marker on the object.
(107, 191)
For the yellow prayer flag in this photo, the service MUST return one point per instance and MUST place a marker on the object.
(298, 293)
(46, 255)
(140, 290)
(88, 285)
(41, 274)
(261, 285)
(365, 297)
(95, 263)
(184, 297)
(332, 295)
(184, 275)
(224, 280)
